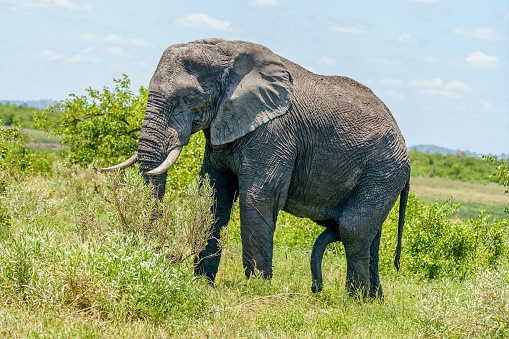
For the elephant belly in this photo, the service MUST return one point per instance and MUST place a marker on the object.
(317, 191)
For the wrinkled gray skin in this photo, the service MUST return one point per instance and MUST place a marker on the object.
(278, 138)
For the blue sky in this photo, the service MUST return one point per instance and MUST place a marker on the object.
(441, 66)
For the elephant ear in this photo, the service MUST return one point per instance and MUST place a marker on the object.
(256, 89)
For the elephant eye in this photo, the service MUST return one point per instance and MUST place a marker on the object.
(192, 98)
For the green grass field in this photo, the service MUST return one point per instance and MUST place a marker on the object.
(71, 268)
(471, 196)
(79, 257)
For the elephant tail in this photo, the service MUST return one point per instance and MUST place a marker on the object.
(401, 222)
(325, 238)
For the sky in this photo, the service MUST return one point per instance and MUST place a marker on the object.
(441, 66)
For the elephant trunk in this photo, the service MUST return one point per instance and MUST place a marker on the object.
(149, 159)
(153, 143)
(161, 140)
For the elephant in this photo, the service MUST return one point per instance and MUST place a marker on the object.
(278, 137)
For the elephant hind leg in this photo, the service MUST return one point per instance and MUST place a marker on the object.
(362, 269)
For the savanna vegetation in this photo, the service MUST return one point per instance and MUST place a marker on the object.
(80, 257)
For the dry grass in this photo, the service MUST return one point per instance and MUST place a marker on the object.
(458, 191)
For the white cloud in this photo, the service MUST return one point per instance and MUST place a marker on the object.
(407, 39)
(203, 22)
(113, 38)
(138, 43)
(116, 51)
(326, 61)
(429, 59)
(88, 37)
(348, 29)
(456, 86)
(82, 58)
(390, 82)
(434, 83)
(438, 87)
(383, 61)
(483, 33)
(67, 4)
(487, 106)
(482, 60)
(43, 4)
(53, 56)
(117, 40)
(50, 55)
(263, 3)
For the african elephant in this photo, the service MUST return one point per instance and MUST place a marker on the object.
(278, 137)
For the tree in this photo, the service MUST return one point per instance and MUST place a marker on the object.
(501, 174)
(100, 126)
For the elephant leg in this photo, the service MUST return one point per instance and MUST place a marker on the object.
(375, 290)
(260, 203)
(257, 233)
(357, 269)
(225, 188)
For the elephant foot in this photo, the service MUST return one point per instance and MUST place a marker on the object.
(206, 264)
(256, 273)
(357, 278)
(376, 292)
(252, 269)
(210, 276)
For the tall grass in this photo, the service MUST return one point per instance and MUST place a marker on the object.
(80, 259)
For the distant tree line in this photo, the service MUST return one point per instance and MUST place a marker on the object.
(103, 126)
(455, 167)
(21, 116)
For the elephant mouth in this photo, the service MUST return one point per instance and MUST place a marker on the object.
(167, 163)
(164, 167)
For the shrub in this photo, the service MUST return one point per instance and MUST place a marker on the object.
(501, 174)
(435, 245)
(17, 158)
(102, 126)
(179, 225)
(67, 248)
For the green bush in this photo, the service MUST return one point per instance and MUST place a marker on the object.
(435, 245)
(82, 241)
(501, 174)
(101, 126)
(17, 158)
(179, 225)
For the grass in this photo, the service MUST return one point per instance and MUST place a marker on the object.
(41, 140)
(471, 196)
(74, 264)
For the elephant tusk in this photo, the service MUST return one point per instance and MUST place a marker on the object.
(170, 160)
(123, 165)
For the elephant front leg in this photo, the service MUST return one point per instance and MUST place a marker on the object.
(224, 188)
(257, 219)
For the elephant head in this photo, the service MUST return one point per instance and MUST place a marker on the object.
(228, 88)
